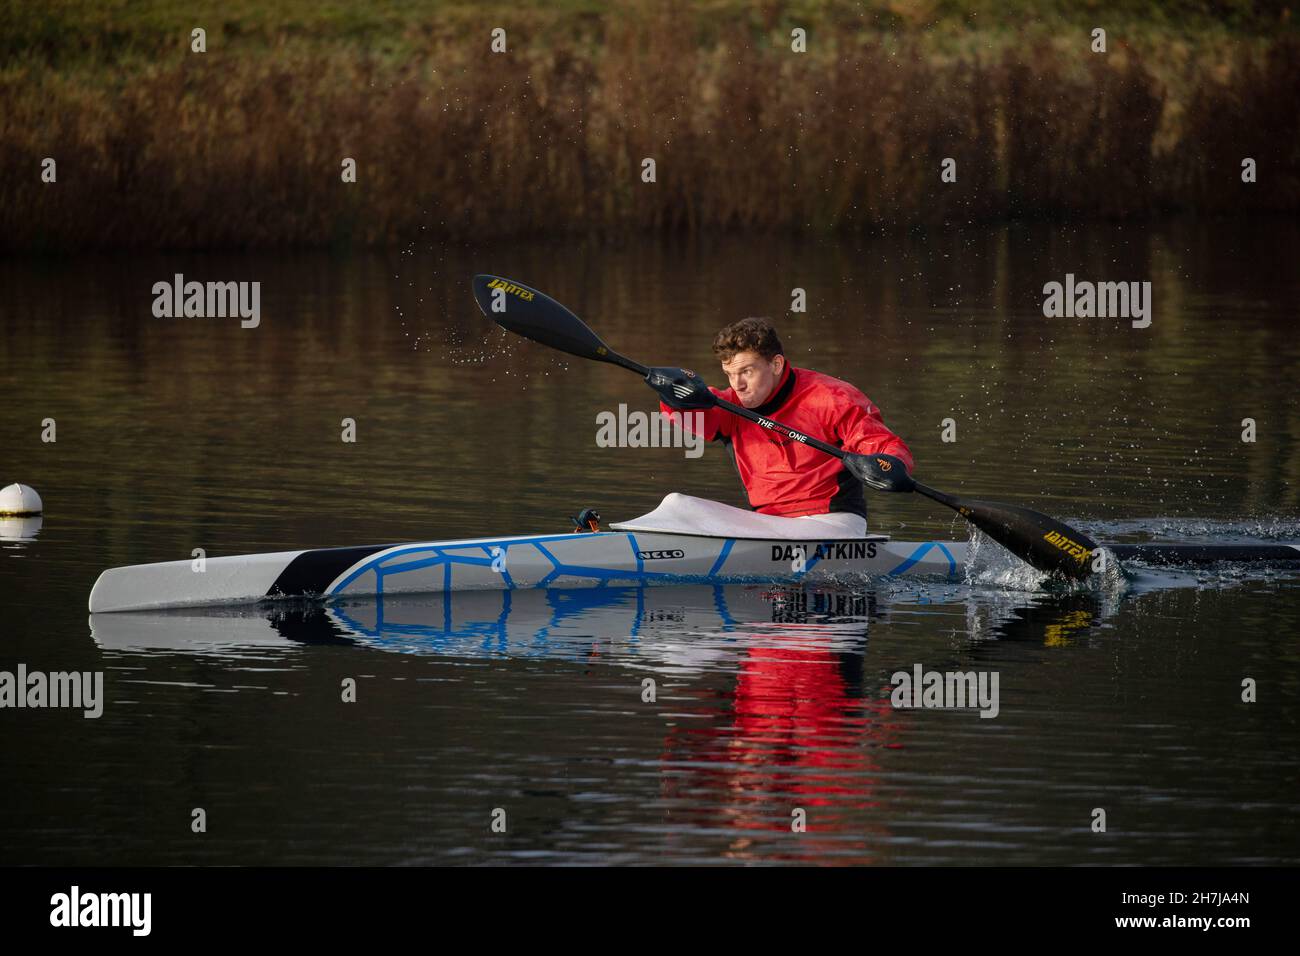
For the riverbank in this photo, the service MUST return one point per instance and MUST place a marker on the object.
(244, 145)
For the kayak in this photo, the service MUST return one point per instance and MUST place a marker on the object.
(685, 540)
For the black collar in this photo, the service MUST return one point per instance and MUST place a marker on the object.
(780, 395)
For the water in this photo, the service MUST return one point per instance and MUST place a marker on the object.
(182, 434)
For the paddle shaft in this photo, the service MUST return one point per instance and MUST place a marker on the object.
(1042, 541)
(829, 449)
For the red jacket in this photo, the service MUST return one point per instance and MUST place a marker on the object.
(785, 477)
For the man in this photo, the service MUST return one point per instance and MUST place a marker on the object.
(782, 476)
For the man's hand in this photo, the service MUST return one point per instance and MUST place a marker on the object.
(680, 388)
(882, 472)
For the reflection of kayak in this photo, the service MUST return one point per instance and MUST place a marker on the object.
(684, 541)
(562, 624)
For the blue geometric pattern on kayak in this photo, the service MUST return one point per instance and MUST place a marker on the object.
(418, 557)
(921, 552)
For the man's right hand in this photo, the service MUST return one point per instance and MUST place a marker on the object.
(882, 472)
(680, 388)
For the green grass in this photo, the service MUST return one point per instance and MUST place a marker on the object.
(68, 33)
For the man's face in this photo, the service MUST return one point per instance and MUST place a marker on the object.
(753, 377)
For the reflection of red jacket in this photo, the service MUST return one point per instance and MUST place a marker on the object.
(785, 477)
(801, 736)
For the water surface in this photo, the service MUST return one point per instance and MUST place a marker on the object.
(181, 434)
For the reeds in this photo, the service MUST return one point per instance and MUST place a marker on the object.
(233, 149)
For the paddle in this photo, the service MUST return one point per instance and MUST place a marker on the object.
(1043, 542)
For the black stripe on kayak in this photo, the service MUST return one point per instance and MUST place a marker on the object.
(1203, 553)
(309, 574)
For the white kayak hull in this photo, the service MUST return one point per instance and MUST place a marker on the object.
(597, 559)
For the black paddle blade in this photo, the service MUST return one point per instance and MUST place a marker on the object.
(1047, 544)
(1044, 542)
(535, 315)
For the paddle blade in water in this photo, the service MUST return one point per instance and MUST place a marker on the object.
(535, 315)
(1047, 544)
(1044, 542)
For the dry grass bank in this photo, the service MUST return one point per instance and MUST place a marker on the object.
(241, 146)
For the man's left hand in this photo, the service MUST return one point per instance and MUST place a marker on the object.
(680, 388)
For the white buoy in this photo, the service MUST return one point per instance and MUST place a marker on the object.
(20, 500)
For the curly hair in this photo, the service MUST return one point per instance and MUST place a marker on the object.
(747, 335)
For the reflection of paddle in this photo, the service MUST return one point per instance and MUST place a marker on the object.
(1044, 542)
